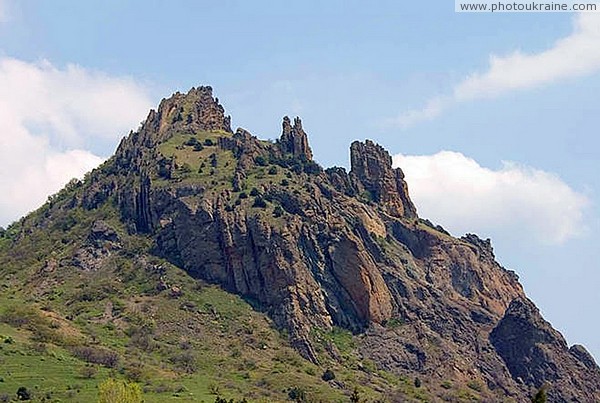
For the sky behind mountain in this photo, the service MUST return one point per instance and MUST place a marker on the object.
(492, 117)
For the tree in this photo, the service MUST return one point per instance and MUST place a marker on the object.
(540, 396)
(114, 391)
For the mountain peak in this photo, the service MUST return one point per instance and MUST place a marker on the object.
(196, 110)
(316, 250)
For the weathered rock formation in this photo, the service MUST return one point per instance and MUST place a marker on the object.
(316, 249)
(536, 354)
(294, 140)
(372, 167)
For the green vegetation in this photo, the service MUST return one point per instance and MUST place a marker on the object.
(116, 391)
(140, 325)
(64, 331)
(540, 396)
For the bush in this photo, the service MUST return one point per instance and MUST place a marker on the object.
(260, 160)
(243, 195)
(278, 211)
(254, 192)
(328, 375)
(94, 355)
(297, 394)
(259, 202)
(209, 142)
(213, 160)
(192, 141)
(540, 396)
(23, 393)
(113, 391)
(198, 147)
(285, 182)
(272, 170)
(186, 362)
(311, 167)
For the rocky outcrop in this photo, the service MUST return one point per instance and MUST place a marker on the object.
(294, 140)
(371, 165)
(102, 241)
(536, 354)
(316, 249)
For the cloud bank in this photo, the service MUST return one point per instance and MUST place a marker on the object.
(461, 195)
(576, 55)
(48, 117)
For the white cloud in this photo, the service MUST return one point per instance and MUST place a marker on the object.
(47, 117)
(455, 191)
(575, 55)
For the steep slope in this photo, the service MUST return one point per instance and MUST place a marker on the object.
(317, 251)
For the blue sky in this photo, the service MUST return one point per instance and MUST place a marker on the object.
(494, 117)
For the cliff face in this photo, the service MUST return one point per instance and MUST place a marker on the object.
(317, 249)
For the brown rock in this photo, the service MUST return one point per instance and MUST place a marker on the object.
(372, 166)
(294, 140)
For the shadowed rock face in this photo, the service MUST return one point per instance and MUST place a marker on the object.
(536, 354)
(343, 249)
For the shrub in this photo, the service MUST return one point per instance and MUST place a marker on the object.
(185, 361)
(192, 141)
(285, 182)
(23, 393)
(95, 355)
(113, 391)
(198, 147)
(272, 170)
(297, 394)
(213, 160)
(328, 375)
(254, 192)
(540, 396)
(417, 382)
(311, 167)
(260, 160)
(475, 385)
(208, 142)
(259, 202)
(278, 211)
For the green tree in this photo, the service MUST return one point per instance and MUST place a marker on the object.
(540, 396)
(114, 391)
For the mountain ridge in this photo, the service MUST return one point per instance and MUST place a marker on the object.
(318, 249)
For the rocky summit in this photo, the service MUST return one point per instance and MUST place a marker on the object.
(320, 252)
